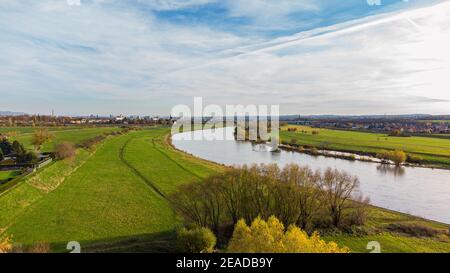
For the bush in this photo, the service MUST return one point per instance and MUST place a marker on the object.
(40, 137)
(5, 245)
(35, 248)
(397, 156)
(5, 146)
(65, 150)
(27, 157)
(415, 229)
(314, 151)
(197, 240)
(271, 237)
(414, 159)
(90, 143)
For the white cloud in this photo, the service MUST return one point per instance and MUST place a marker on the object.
(99, 58)
(174, 4)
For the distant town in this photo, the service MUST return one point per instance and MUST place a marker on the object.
(24, 120)
(401, 124)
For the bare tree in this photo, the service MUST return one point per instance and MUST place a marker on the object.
(338, 188)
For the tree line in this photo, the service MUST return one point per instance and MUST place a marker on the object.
(295, 195)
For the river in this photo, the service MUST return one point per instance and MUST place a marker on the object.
(417, 191)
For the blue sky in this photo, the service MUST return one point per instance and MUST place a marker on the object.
(145, 56)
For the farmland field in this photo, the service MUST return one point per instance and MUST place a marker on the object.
(73, 134)
(112, 199)
(432, 150)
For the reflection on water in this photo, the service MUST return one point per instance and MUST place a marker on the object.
(391, 169)
(419, 191)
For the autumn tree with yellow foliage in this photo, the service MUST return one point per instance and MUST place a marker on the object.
(271, 237)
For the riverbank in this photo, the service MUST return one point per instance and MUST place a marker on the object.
(355, 157)
(395, 231)
(434, 152)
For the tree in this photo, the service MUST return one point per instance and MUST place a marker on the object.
(5, 146)
(396, 133)
(295, 195)
(338, 188)
(27, 157)
(197, 240)
(305, 189)
(40, 137)
(1, 155)
(398, 157)
(18, 148)
(65, 150)
(271, 237)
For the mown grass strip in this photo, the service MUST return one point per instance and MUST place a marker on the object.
(135, 171)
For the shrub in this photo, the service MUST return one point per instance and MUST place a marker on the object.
(65, 150)
(397, 156)
(415, 229)
(5, 146)
(293, 142)
(1, 155)
(27, 157)
(40, 137)
(358, 213)
(271, 237)
(414, 159)
(5, 245)
(197, 240)
(18, 148)
(90, 143)
(315, 132)
(314, 151)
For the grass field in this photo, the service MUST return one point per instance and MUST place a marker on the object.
(113, 200)
(73, 134)
(104, 199)
(433, 150)
(5, 175)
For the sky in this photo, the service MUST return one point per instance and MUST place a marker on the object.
(144, 57)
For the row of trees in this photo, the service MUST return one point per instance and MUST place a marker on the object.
(295, 195)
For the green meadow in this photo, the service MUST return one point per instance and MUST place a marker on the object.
(112, 199)
(104, 196)
(72, 134)
(433, 150)
(5, 175)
